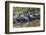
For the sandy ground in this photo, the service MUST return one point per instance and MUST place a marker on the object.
(33, 23)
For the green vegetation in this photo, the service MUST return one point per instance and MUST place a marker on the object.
(22, 10)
